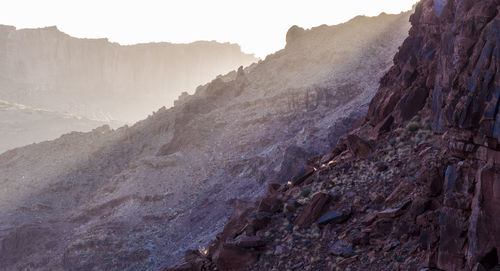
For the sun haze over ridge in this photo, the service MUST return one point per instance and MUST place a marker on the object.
(247, 23)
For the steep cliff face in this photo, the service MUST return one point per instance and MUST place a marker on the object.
(137, 197)
(46, 68)
(449, 67)
(416, 186)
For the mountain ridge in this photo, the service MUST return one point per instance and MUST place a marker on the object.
(74, 70)
(129, 197)
(413, 186)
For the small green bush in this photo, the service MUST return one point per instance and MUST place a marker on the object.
(413, 126)
(428, 126)
(305, 193)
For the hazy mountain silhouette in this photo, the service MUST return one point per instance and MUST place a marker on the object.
(97, 79)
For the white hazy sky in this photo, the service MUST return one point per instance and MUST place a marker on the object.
(259, 26)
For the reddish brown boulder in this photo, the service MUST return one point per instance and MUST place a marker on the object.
(250, 242)
(302, 176)
(270, 204)
(257, 221)
(312, 212)
(358, 146)
(238, 221)
(273, 188)
(332, 154)
(233, 258)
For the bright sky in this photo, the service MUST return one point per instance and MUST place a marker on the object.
(259, 26)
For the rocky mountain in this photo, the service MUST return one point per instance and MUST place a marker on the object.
(97, 79)
(414, 186)
(137, 197)
(22, 125)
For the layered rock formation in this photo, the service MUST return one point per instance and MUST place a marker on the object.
(137, 197)
(97, 79)
(415, 187)
(449, 67)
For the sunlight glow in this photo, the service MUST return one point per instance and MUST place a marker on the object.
(259, 26)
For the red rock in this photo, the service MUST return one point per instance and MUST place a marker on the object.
(270, 204)
(250, 242)
(238, 221)
(394, 212)
(358, 146)
(391, 212)
(232, 257)
(381, 167)
(382, 226)
(347, 261)
(273, 188)
(302, 176)
(317, 207)
(257, 221)
(484, 229)
(368, 219)
(332, 154)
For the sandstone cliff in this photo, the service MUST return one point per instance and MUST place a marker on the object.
(448, 70)
(135, 198)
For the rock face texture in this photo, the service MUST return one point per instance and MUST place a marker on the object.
(137, 197)
(97, 79)
(449, 67)
(424, 192)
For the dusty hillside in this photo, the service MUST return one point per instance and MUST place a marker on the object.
(21, 125)
(137, 197)
(416, 186)
(97, 79)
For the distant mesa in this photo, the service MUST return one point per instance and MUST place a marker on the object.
(98, 79)
(53, 75)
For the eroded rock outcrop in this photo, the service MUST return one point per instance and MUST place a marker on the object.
(449, 67)
(420, 174)
(137, 197)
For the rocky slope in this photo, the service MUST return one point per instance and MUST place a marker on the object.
(137, 197)
(416, 186)
(22, 125)
(97, 79)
